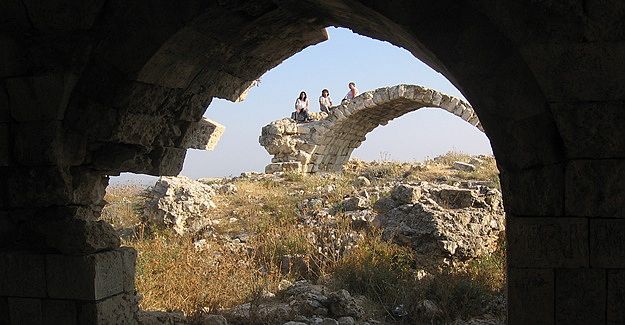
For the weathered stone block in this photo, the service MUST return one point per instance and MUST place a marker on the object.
(139, 129)
(122, 157)
(59, 16)
(4, 311)
(129, 258)
(523, 144)
(534, 192)
(5, 112)
(293, 166)
(11, 56)
(381, 96)
(39, 98)
(5, 144)
(37, 187)
(607, 243)
(580, 296)
(437, 98)
(25, 311)
(119, 309)
(167, 161)
(530, 296)
(38, 143)
(93, 119)
(59, 311)
(592, 129)
(616, 297)
(406, 194)
(87, 277)
(595, 188)
(76, 236)
(565, 70)
(543, 242)
(22, 274)
(88, 186)
(204, 135)
(195, 108)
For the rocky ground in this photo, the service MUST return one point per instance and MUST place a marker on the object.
(380, 243)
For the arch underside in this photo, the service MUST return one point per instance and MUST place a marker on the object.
(326, 145)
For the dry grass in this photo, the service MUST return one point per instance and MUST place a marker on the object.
(438, 169)
(388, 275)
(124, 204)
(173, 275)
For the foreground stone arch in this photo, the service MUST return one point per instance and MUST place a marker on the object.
(90, 89)
(326, 144)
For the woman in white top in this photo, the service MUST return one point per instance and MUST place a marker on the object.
(301, 108)
(325, 102)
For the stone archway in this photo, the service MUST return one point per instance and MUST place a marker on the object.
(325, 145)
(99, 87)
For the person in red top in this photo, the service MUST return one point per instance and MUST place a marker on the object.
(353, 91)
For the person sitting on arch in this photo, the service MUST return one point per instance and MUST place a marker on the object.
(353, 91)
(301, 108)
(325, 102)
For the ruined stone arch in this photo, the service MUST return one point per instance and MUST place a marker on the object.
(327, 144)
(99, 87)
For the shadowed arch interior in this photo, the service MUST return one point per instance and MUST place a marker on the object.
(96, 88)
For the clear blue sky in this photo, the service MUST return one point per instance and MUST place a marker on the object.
(345, 57)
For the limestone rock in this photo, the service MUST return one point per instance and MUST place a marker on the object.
(445, 224)
(300, 303)
(428, 310)
(405, 193)
(346, 320)
(343, 304)
(355, 203)
(454, 198)
(459, 165)
(204, 135)
(213, 320)
(180, 203)
(225, 189)
(147, 317)
(385, 204)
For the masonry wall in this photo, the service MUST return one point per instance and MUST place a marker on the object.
(94, 88)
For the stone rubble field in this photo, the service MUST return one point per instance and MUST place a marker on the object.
(442, 217)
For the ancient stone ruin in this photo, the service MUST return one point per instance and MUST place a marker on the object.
(93, 88)
(441, 222)
(327, 143)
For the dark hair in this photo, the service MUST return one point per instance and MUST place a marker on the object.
(300, 95)
(352, 84)
(325, 91)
